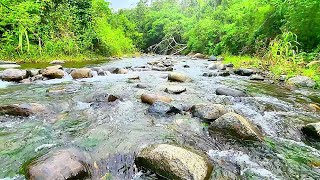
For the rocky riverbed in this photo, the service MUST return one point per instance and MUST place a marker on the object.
(156, 117)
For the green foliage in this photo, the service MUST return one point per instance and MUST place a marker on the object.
(49, 28)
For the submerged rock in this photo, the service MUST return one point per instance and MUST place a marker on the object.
(162, 109)
(13, 75)
(81, 73)
(230, 92)
(59, 165)
(238, 165)
(302, 81)
(208, 112)
(179, 77)
(175, 89)
(236, 125)
(174, 162)
(312, 130)
(244, 72)
(152, 98)
(15, 110)
(120, 71)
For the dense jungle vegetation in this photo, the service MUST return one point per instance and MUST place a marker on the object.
(279, 35)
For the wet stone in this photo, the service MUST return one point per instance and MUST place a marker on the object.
(312, 130)
(15, 110)
(81, 73)
(256, 77)
(244, 72)
(59, 165)
(208, 112)
(174, 162)
(13, 75)
(152, 98)
(236, 125)
(161, 108)
(230, 92)
(302, 81)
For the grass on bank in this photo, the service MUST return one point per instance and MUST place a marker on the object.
(282, 67)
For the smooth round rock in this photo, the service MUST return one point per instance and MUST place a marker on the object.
(81, 73)
(175, 89)
(152, 98)
(178, 77)
(208, 112)
(174, 162)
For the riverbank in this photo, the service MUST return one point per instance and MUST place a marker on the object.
(278, 70)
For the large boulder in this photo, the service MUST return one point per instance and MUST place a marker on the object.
(152, 98)
(59, 165)
(230, 92)
(179, 77)
(236, 125)
(53, 72)
(81, 73)
(174, 162)
(312, 130)
(302, 81)
(13, 75)
(208, 112)
(162, 108)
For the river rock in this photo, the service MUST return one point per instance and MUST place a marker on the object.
(312, 130)
(162, 68)
(174, 162)
(152, 98)
(179, 77)
(186, 66)
(175, 89)
(229, 65)
(57, 62)
(302, 81)
(208, 112)
(213, 58)
(236, 125)
(244, 72)
(59, 165)
(256, 77)
(15, 110)
(7, 62)
(217, 65)
(81, 73)
(199, 55)
(9, 66)
(120, 71)
(102, 97)
(162, 108)
(141, 86)
(53, 72)
(13, 75)
(99, 71)
(230, 92)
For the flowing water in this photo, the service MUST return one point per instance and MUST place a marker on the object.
(112, 133)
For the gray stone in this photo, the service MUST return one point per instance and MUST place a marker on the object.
(217, 65)
(256, 77)
(57, 62)
(162, 108)
(175, 89)
(81, 73)
(244, 72)
(302, 81)
(9, 66)
(230, 92)
(13, 75)
(179, 77)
